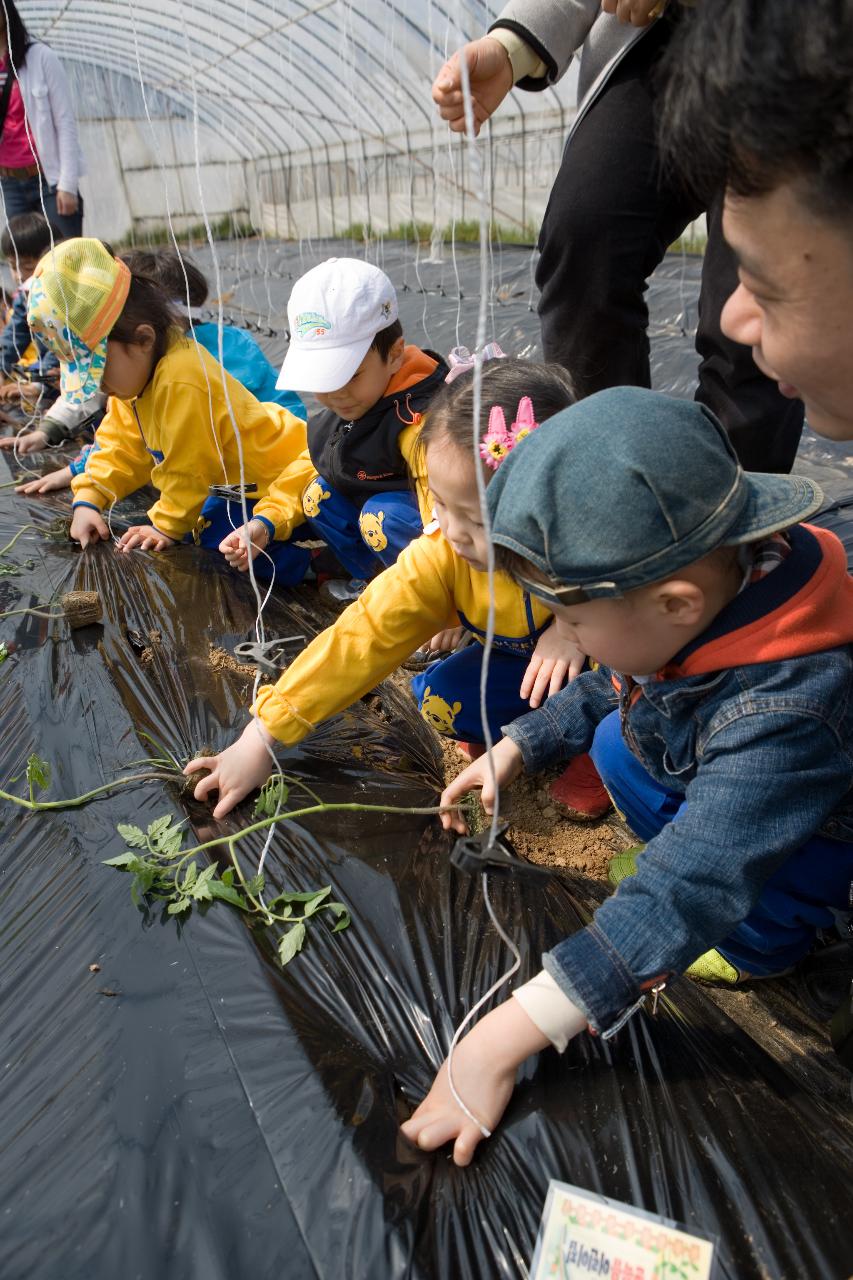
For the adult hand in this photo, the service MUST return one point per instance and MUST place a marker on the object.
(66, 203)
(508, 764)
(47, 484)
(87, 525)
(554, 660)
(638, 12)
(30, 442)
(145, 537)
(484, 1067)
(237, 770)
(490, 76)
(248, 540)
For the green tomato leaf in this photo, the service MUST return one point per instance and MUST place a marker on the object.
(271, 798)
(302, 897)
(38, 773)
(201, 891)
(316, 903)
(169, 843)
(256, 885)
(291, 943)
(175, 908)
(343, 916)
(132, 836)
(127, 860)
(4, 652)
(227, 876)
(218, 889)
(189, 878)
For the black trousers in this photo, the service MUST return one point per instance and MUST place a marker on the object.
(611, 216)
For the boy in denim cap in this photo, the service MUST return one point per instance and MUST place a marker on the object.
(367, 500)
(721, 719)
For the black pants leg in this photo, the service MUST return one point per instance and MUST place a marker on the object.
(611, 216)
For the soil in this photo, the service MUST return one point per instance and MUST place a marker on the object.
(155, 637)
(221, 660)
(539, 831)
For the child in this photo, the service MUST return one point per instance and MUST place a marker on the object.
(722, 720)
(439, 577)
(241, 355)
(347, 349)
(24, 241)
(174, 414)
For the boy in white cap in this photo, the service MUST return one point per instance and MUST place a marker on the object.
(347, 349)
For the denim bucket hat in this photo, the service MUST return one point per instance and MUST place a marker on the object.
(626, 488)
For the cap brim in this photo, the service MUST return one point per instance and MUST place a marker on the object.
(320, 369)
(774, 503)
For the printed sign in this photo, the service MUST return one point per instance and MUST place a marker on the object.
(583, 1235)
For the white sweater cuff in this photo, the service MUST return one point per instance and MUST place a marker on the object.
(523, 60)
(552, 1012)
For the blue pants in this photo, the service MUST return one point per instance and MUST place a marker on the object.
(448, 692)
(219, 517)
(23, 197)
(366, 539)
(795, 902)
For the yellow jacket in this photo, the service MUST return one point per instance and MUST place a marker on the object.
(168, 437)
(399, 610)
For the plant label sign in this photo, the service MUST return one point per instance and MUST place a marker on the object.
(583, 1235)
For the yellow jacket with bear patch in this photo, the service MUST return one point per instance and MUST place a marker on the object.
(400, 610)
(168, 437)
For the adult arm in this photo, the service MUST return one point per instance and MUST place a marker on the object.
(65, 123)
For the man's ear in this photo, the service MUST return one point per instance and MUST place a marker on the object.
(681, 602)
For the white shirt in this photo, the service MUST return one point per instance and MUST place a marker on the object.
(50, 112)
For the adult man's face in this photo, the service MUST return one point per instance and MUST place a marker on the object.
(794, 304)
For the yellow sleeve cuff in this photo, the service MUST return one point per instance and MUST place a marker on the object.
(523, 60)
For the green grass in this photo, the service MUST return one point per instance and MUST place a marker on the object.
(228, 227)
(467, 232)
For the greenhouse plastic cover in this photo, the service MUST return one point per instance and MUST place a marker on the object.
(192, 1111)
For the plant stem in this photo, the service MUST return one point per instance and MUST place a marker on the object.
(37, 613)
(76, 801)
(259, 906)
(10, 545)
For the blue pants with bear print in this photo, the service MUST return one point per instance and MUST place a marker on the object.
(281, 560)
(366, 539)
(448, 692)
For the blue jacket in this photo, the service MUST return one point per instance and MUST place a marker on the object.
(246, 362)
(753, 723)
(16, 338)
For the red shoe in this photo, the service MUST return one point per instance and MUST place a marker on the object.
(471, 750)
(580, 790)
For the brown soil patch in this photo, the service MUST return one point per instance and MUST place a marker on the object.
(540, 832)
(221, 660)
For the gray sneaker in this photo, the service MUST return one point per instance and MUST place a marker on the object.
(341, 590)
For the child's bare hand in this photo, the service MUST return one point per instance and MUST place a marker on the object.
(29, 442)
(87, 525)
(447, 640)
(47, 484)
(554, 661)
(508, 764)
(145, 537)
(237, 770)
(484, 1067)
(638, 12)
(248, 540)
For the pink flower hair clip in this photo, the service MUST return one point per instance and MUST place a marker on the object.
(498, 441)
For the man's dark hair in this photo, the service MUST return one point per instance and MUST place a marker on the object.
(17, 37)
(385, 339)
(173, 272)
(756, 94)
(27, 235)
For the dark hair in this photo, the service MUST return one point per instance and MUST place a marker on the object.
(504, 382)
(512, 563)
(757, 94)
(385, 339)
(146, 304)
(17, 37)
(168, 269)
(28, 235)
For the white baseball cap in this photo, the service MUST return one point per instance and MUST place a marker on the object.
(335, 311)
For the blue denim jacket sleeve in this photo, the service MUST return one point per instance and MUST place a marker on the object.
(767, 776)
(16, 336)
(564, 726)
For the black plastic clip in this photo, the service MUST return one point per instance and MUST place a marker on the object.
(476, 854)
(232, 492)
(271, 656)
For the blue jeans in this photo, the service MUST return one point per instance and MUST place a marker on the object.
(367, 538)
(219, 517)
(26, 197)
(798, 899)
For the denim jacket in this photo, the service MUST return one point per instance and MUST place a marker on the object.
(760, 745)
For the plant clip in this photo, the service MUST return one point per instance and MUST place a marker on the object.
(232, 492)
(272, 656)
(476, 854)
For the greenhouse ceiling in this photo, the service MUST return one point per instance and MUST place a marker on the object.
(274, 76)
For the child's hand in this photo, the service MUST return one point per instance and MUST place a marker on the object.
(237, 770)
(146, 537)
(47, 484)
(446, 641)
(243, 542)
(30, 442)
(87, 525)
(508, 764)
(484, 1067)
(554, 660)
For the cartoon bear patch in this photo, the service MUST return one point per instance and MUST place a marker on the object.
(198, 529)
(439, 713)
(313, 496)
(371, 530)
